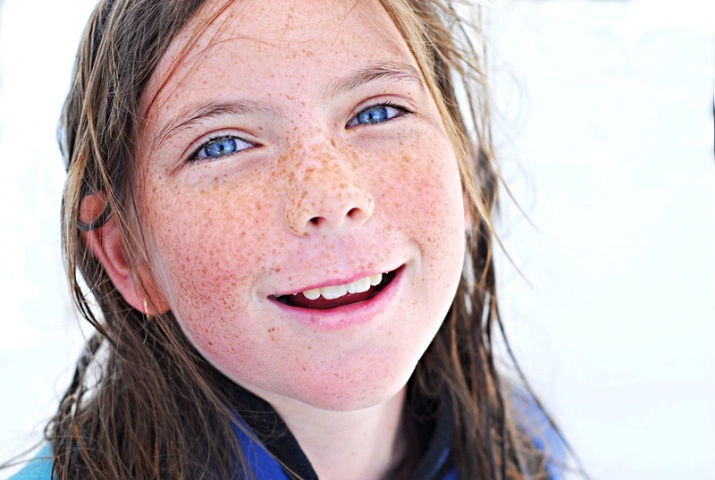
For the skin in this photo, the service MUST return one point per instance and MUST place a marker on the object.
(314, 199)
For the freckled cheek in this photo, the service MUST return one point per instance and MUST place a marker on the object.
(211, 246)
(424, 191)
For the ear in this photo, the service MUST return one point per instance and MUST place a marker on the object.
(105, 242)
(467, 212)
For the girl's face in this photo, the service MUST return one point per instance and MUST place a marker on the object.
(295, 147)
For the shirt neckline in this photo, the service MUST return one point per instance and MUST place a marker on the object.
(432, 419)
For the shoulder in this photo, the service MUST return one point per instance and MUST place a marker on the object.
(542, 432)
(39, 468)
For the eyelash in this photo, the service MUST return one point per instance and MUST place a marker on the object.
(400, 109)
(195, 156)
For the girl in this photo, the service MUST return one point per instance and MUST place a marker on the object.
(283, 215)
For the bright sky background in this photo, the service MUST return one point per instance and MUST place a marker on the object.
(606, 134)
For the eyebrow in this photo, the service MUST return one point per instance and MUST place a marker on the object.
(212, 109)
(371, 73)
(197, 111)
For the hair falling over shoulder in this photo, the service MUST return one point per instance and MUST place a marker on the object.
(143, 402)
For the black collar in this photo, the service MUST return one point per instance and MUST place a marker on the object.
(432, 421)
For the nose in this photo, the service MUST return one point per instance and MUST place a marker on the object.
(326, 193)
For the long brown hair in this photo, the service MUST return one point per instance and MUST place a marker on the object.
(143, 403)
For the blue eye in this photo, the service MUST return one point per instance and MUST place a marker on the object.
(220, 147)
(376, 114)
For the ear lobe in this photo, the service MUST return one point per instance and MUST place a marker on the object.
(105, 242)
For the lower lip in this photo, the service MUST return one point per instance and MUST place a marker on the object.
(347, 316)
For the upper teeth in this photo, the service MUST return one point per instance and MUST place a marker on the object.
(336, 291)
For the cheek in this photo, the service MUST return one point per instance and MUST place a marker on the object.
(432, 210)
(420, 199)
(424, 193)
(208, 245)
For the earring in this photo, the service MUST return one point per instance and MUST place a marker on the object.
(146, 309)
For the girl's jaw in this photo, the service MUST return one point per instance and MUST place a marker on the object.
(289, 148)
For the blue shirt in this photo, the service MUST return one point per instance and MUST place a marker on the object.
(276, 442)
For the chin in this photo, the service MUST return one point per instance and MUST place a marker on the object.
(343, 393)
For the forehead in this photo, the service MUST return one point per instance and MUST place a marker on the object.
(254, 47)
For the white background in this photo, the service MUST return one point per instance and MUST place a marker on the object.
(604, 125)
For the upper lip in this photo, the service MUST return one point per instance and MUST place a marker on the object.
(333, 282)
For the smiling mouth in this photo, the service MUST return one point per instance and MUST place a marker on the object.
(327, 298)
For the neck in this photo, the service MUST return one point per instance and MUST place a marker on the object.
(367, 443)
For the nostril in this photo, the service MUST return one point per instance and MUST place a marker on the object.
(329, 213)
